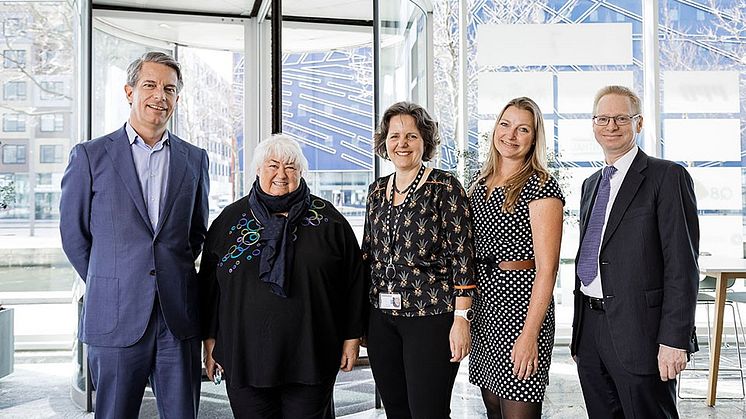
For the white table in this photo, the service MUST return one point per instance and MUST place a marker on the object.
(722, 269)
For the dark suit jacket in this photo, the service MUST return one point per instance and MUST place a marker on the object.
(648, 262)
(109, 240)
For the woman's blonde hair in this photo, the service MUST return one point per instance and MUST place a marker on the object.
(536, 159)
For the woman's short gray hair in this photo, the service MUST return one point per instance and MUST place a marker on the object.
(282, 148)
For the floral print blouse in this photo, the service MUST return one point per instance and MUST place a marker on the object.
(432, 249)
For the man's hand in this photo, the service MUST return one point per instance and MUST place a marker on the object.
(671, 362)
(350, 352)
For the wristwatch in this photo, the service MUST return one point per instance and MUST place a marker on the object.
(467, 314)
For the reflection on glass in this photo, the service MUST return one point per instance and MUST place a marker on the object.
(210, 115)
(328, 108)
(403, 56)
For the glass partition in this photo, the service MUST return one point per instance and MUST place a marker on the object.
(403, 58)
(210, 109)
(558, 53)
(328, 108)
(703, 109)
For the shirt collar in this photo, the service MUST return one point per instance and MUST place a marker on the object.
(625, 162)
(133, 136)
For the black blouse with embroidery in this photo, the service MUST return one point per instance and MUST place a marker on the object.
(262, 339)
(432, 252)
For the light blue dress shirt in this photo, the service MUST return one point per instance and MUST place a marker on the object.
(151, 164)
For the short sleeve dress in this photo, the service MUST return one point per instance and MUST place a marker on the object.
(501, 305)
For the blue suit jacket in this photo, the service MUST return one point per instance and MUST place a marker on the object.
(108, 238)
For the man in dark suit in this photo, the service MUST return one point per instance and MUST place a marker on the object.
(636, 271)
(133, 217)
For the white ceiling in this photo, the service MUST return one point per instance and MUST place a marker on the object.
(221, 34)
(338, 9)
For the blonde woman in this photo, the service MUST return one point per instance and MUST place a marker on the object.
(517, 212)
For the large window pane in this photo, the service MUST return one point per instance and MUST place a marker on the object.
(38, 41)
(328, 108)
(558, 53)
(702, 63)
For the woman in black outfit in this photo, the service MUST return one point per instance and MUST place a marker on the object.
(418, 249)
(283, 294)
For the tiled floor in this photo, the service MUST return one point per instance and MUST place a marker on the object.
(40, 388)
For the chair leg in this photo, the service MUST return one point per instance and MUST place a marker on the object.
(737, 322)
(734, 307)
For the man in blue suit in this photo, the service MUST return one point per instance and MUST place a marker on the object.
(133, 217)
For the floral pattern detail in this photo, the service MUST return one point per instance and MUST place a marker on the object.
(433, 250)
(247, 232)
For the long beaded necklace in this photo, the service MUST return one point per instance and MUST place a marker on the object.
(394, 227)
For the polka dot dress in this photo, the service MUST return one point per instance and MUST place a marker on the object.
(502, 303)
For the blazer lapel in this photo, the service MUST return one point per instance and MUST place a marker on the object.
(176, 171)
(626, 194)
(118, 148)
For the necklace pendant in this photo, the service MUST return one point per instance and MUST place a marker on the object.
(390, 271)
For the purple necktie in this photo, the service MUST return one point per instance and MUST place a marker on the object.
(588, 259)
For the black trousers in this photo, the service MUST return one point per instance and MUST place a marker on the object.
(288, 401)
(608, 389)
(410, 360)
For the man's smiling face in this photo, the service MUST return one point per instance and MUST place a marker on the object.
(153, 97)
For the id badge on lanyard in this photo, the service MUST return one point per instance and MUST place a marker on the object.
(389, 301)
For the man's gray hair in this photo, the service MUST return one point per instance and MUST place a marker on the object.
(282, 148)
(133, 71)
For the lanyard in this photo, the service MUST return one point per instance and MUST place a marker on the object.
(393, 228)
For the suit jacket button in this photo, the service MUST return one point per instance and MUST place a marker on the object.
(152, 272)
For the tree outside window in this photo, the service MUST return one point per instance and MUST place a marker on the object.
(51, 90)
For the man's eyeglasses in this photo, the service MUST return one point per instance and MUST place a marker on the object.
(619, 120)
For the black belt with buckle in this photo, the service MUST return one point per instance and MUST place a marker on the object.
(594, 303)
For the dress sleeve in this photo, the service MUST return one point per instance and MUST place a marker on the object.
(209, 289)
(459, 242)
(547, 189)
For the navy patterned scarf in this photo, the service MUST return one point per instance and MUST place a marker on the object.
(278, 252)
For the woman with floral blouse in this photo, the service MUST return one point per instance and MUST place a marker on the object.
(418, 250)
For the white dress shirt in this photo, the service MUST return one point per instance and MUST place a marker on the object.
(595, 288)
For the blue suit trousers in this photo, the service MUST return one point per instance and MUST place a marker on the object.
(171, 365)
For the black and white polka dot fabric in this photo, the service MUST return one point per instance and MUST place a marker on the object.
(501, 305)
